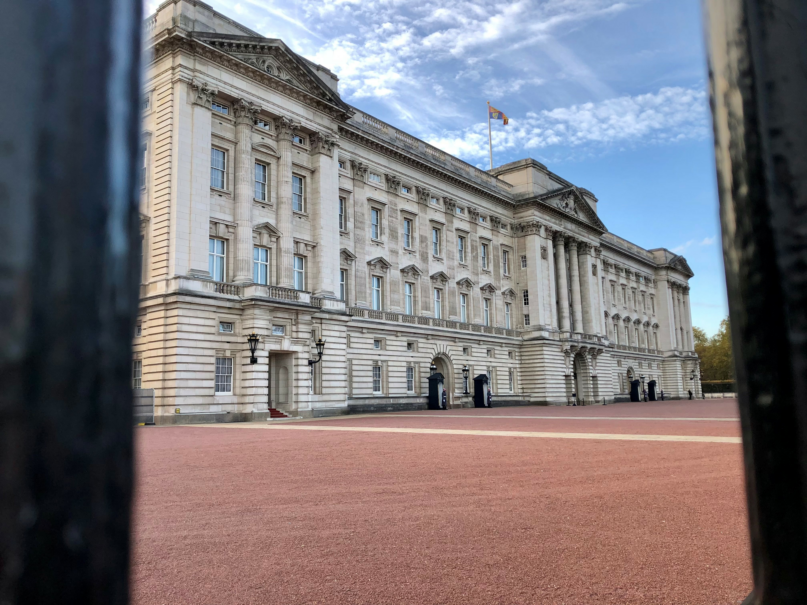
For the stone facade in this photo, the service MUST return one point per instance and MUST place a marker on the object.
(271, 206)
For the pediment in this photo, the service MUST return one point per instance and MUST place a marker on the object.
(379, 263)
(439, 276)
(488, 288)
(267, 228)
(465, 283)
(276, 60)
(412, 270)
(680, 263)
(509, 293)
(346, 255)
(569, 201)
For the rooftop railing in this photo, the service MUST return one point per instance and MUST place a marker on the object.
(434, 322)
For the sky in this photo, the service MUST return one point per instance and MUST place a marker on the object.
(611, 95)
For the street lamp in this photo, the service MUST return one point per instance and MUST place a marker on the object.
(432, 369)
(465, 371)
(253, 340)
(692, 375)
(320, 344)
(644, 397)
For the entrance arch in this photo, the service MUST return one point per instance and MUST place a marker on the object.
(582, 379)
(445, 366)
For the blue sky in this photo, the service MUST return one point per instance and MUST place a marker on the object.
(611, 95)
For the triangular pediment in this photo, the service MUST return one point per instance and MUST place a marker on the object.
(509, 293)
(488, 288)
(267, 228)
(465, 283)
(379, 263)
(439, 276)
(411, 270)
(569, 201)
(274, 59)
(680, 263)
(347, 256)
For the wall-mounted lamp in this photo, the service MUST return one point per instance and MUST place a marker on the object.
(465, 372)
(253, 340)
(320, 349)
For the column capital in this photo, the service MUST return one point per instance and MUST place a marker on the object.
(558, 236)
(323, 142)
(359, 169)
(424, 195)
(527, 228)
(203, 93)
(584, 248)
(572, 243)
(286, 128)
(245, 112)
(393, 182)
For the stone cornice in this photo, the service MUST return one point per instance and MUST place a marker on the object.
(400, 154)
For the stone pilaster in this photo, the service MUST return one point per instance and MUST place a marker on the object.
(574, 274)
(562, 282)
(202, 96)
(393, 183)
(450, 255)
(324, 210)
(676, 316)
(360, 232)
(245, 115)
(549, 287)
(285, 216)
(584, 265)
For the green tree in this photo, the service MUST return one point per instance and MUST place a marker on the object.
(715, 352)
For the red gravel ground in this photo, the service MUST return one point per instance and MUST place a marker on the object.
(228, 516)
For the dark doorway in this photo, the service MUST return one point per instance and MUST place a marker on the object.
(634, 390)
(436, 381)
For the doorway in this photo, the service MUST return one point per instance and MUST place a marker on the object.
(445, 367)
(281, 381)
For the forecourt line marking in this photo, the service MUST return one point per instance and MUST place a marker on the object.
(372, 429)
(559, 417)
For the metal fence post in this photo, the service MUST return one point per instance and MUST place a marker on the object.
(758, 73)
(68, 297)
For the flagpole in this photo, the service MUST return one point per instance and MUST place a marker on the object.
(490, 139)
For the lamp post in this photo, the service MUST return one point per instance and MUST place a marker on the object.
(253, 340)
(320, 344)
(465, 371)
(432, 369)
(644, 397)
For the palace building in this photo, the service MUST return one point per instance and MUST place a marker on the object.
(271, 206)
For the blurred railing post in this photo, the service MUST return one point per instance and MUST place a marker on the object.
(68, 295)
(758, 71)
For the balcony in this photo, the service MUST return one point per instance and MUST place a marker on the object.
(433, 322)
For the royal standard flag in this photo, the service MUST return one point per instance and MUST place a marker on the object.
(495, 114)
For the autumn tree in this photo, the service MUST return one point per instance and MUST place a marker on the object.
(715, 353)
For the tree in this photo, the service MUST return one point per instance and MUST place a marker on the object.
(715, 352)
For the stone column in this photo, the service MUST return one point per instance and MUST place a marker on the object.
(548, 285)
(393, 238)
(324, 210)
(574, 271)
(362, 294)
(682, 318)
(584, 265)
(199, 219)
(561, 281)
(687, 312)
(245, 114)
(676, 316)
(599, 310)
(451, 253)
(285, 217)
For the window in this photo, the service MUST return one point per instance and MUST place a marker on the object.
(653, 306)
(510, 380)
(218, 168)
(377, 380)
(215, 259)
(507, 315)
(144, 162)
(310, 380)
(265, 124)
(644, 303)
(260, 265)
(405, 189)
(624, 297)
(613, 293)
(375, 178)
(220, 108)
(137, 373)
(375, 223)
(226, 327)
(436, 241)
(435, 201)
(139, 330)
(438, 307)
(633, 293)
(410, 379)
(459, 210)
(486, 306)
(505, 262)
(342, 165)
(376, 293)
(464, 308)
(260, 182)
(627, 335)
(377, 344)
(461, 249)
(411, 347)
(466, 350)
(343, 284)
(489, 352)
(407, 233)
(299, 273)
(523, 261)
(298, 139)
(482, 219)
(527, 319)
(297, 193)
(655, 339)
(526, 296)
(342, 214)
(484, 251)
(409, 298)
(278, 330)
(224, 374)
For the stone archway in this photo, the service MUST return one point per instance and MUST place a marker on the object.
(582, 379)
(445, 366)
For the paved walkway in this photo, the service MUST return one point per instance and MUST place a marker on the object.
(627, 503)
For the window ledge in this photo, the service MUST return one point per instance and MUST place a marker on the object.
(344, 232)
(217, 190)
(380, 242)
(265, 202)
(438, 258)
(303, 215)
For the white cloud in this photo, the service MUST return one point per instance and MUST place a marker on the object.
(706, 241)
(669, 115)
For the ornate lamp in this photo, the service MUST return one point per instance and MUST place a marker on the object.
(432, 369)
(465, 371)
(320, 344)
(253, 340)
